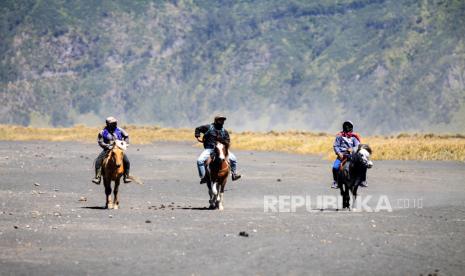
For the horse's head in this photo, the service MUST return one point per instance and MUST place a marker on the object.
(221, 150)
(362, 156)
(117, 153)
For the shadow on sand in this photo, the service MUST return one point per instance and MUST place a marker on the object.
(94, 207)
(328, 210)
(194, 208)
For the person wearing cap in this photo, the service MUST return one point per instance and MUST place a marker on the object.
(106, 139)
(345, 143)
(212, 133)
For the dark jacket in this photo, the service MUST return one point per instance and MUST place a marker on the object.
(211, 135)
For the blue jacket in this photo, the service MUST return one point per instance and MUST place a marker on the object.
(105, 137)
(345, 141)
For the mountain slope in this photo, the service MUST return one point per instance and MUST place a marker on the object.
(387, 65)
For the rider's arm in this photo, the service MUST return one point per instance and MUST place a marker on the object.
(201, 129)
(125, 135)
(337, 146)
(101, 142)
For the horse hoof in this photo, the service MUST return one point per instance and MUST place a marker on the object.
(115, 207)
(221, 208)
(109, 206)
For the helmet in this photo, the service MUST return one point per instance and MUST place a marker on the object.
(111, 120)
(111, 123)
(347, 126)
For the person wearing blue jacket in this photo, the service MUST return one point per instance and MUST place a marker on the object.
(106, 139)
(345, 143)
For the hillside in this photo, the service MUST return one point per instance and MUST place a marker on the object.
(390, 66)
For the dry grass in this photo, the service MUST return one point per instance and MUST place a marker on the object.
(400, 147)
(138, 134)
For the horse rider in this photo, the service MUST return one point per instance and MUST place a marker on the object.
(106, 140)
(346, 142)
(211, 134)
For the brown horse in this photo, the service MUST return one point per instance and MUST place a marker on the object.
(218, 169)
(112, 170)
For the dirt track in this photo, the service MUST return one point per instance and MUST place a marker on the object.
(46, 230)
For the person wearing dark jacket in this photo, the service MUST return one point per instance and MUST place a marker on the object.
(212, 133)
(105, 140)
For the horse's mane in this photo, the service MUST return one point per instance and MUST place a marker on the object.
(226, 144)
(365, 147)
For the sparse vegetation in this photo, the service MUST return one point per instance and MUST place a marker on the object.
(400, 147)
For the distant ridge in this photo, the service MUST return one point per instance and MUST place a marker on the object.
(389, 66)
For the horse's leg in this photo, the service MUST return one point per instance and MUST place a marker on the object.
(107, 184)
(210, 192)
(215, 187)
(354, 194)
(216, 193)
(341, 183)
(348, 189)
(341, 189)
(345, 194)
(221, 190)
(212, 198)
(220, 202)
(116, 195)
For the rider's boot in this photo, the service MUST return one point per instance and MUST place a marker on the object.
(235, 176)
(127, 166)
(126, 178)
(334, 185)
(98, 176)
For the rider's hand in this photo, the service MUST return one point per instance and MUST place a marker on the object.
(340, 156)
(200, 140)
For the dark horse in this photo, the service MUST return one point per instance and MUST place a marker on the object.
(217, 171)
(351, 173)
